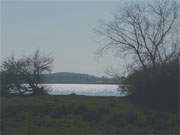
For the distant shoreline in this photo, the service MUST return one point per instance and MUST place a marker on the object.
(81, 83)
(76, 78)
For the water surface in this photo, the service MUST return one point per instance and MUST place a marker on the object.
(85, 89)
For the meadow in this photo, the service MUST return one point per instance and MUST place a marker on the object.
(83, 115)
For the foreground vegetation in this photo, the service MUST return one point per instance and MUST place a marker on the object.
(51, 115)
(156, 88)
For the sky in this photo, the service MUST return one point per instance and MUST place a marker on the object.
(62, 29)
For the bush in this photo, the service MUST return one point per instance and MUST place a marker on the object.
(157, 88)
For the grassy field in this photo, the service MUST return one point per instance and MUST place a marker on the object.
(81, 115)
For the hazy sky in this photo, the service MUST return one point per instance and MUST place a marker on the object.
(62, 29)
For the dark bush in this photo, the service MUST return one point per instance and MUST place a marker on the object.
(156, 87)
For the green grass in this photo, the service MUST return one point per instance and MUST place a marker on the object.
(82, 115)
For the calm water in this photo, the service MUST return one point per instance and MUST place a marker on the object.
(84, 89)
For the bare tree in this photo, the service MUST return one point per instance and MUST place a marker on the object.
(37, 65)
(146, 31)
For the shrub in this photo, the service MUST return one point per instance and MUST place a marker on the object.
(157, 88)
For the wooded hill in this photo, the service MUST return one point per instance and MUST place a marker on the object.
(68, 77)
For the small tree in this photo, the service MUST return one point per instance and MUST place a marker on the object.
(24, 75)
(37, 66)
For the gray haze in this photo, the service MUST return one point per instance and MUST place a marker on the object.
(62, 29)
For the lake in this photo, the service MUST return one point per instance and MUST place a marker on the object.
(85, 89)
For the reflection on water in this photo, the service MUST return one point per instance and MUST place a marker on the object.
(85, 89)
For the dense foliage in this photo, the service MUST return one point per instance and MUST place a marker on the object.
(82, 115)
(156, 87)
